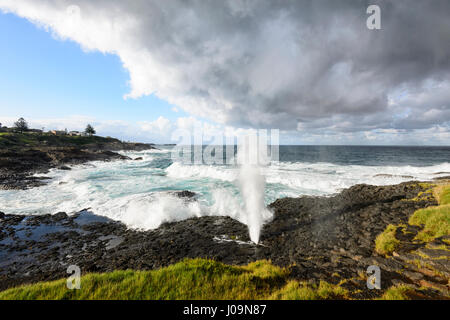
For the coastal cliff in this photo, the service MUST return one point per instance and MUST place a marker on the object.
(24, 154)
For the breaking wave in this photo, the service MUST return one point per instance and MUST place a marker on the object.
(140, 193)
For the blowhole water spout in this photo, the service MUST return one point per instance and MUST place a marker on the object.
(252, 185)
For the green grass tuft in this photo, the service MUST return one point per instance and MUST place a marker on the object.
(442, 194)
(436, 222)
(295, 290)
(397, 293)
(386, 243)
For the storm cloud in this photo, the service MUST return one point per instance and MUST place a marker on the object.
(307, 65)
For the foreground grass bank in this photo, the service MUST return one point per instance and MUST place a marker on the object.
(194, 279)
(188, 279)
(435, 222)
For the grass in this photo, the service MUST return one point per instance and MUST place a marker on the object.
(295, 290)
(189, 279)
(436, 222)
(386, 243)
(401, 292)
(28, 139)
(442, 194)
(426, 194)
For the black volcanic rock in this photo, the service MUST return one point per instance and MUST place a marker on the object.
(317, 237)
(185, 194)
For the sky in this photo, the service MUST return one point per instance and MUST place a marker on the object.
(144, 70)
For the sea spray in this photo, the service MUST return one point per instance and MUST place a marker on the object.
(252, 183)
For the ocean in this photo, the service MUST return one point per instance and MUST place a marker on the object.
(140, 193)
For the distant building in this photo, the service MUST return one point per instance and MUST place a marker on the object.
(39, 131)
(77, 133)
(58, 132)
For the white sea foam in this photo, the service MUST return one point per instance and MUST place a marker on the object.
(183, 171)
(137, 194)
(315, 178)
(150, 210)
(327, 178)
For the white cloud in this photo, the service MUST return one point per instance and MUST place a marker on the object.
(305, 65)
(162, 130)
(160, 125)
(265, 63)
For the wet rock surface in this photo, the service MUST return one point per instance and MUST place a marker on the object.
(319, 238)
(18, 165)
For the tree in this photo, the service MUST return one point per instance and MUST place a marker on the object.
(89, 130)
(21, 125)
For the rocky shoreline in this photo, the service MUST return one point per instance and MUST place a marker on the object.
(319, 238)
(18, 165)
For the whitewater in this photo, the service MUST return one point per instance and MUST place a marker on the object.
(140, 194)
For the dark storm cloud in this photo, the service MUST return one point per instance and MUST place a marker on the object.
(309, 64)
